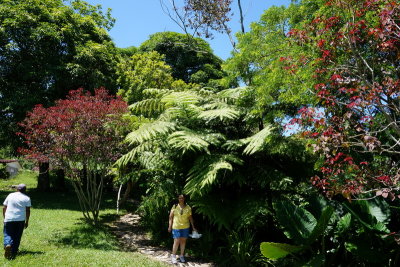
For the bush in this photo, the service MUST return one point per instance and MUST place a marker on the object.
(3, 173)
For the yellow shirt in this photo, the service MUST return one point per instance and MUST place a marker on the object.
(181, 221)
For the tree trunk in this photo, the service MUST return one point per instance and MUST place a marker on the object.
(128, 190)
(60, 181)
(43, 184)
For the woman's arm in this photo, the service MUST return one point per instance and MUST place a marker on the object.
(171, 220)
(192, 223)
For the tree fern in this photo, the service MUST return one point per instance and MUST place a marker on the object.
(223, 114)
(156, 93)
(131, 156)
(180, 98)
(148, 106)
(150, 130)
(232, 93)
(205, 170)
(257, 141)
(188, 140)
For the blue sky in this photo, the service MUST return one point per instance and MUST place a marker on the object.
(137, 19)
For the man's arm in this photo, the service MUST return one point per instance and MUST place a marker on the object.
(4, 211)
(28, 214)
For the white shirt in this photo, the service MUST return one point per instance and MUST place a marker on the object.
(16, 207)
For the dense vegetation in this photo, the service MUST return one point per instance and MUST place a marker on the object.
(288, 150)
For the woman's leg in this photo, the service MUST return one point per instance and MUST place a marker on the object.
(182, 243)
(175, 246)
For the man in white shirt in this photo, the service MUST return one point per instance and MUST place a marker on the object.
(16, 213)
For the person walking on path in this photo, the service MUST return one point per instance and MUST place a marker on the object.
(16, 213)
(179, 218)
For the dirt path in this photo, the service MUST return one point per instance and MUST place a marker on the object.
(132, 238)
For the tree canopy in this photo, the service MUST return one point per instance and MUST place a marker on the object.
(191, 59)
(48, 48)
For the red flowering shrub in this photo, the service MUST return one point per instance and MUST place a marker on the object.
(357, 84)
(77, 134)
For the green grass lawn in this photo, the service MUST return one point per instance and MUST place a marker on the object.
(57, 236)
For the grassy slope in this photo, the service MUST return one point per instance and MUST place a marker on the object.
(57, 236)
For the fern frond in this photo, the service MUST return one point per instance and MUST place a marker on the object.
(132, 155)
(150, 130)
(257, 141)
(222, 114)
(205, 171)
(152, 160)
(232, 93)
(148, 106)
(188, 141)
(233, 145)
(180, 98)
(172, 113)
(155, 92)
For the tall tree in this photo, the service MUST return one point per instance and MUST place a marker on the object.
(357, 78)
(191, 59)
(46, 49)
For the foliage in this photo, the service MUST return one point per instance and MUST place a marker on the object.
(3, 172)
(142, 71)
(341, 229)
(190, 59)
(209, 144)
(356, 82)
(78, 134)
(48, 48)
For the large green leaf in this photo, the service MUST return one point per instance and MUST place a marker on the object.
(321, 224)
(297, 222)
(276, 251)
(344, 223)
(362, 213)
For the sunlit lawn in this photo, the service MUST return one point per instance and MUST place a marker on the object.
(57, 236)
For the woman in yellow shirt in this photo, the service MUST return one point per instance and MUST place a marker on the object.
(180, 219)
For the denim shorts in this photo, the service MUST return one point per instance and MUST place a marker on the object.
(177, 233)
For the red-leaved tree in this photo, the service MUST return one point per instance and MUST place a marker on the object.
(79, 135)
(357, 84)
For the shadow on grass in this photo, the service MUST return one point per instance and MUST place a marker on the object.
(84, 235)
(58, 200)
(28, 252)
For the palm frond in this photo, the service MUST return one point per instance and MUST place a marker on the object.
(222, 114)
(150, 130)
(256, 142)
